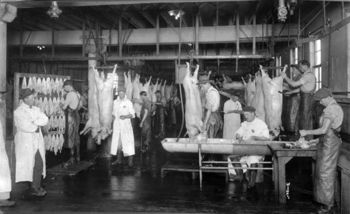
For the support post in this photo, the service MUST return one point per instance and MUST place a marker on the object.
(3, 48)
(8, 14)
(53, 42)
(196, 45)
(158, 35)
(120, 35)
(237, 40)
(254, 34)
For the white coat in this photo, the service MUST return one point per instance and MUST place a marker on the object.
(27, 141)
(232, 121)
(5, 174)
(255, 128)
(122, 129)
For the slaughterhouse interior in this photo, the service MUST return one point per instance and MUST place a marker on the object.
(175, 106)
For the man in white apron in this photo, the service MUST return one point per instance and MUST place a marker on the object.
(252, 129)
(29, 141)
(123, 135)
(232, 117)
(5, 174)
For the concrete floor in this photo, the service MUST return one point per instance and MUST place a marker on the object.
(118, 189)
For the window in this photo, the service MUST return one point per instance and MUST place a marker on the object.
(294, 56)
(315, 61)
(294, 59)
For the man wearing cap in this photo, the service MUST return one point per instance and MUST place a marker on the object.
(306, 85)
(123, 135)
(29, 142)
(212, 119)
(251, 129)
(328, 149)
(71, 106)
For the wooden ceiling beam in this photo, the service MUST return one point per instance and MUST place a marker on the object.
(149, 18)
(83, 3)
(166, 18)
(135, 20)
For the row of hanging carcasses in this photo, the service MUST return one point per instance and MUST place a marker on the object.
(44, 85)
(50, 95)
(54, 142)
(135, 86)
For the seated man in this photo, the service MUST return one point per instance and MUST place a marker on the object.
(251, 129)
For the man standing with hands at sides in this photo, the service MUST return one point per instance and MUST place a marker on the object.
(306, 85)
(146, 122)
(29, 142)
(123, 135)
(71, 106)
(212, 120)
(327, 149)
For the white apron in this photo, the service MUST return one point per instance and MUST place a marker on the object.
(5, 174)
(27, 141)
(122, 129)
(232, 121)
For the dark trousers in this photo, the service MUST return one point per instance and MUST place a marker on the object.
(38, 170)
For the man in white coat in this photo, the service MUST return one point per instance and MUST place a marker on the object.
(123, 135)
(5, 174)
(29, 142)
(253, 129)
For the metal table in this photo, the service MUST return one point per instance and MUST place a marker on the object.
(281, 156)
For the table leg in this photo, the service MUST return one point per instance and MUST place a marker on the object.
(275, 177)
(282, 161)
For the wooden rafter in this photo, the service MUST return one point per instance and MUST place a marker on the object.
(149, 18)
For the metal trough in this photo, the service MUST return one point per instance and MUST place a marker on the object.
(218, 146)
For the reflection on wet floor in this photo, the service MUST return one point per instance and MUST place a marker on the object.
(106, 188)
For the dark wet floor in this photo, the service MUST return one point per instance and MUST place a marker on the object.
(103, 188)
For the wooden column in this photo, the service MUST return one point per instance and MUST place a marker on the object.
(158, 35)
(196, 43)
(3, 48)
(254, 34)
(237, 40)
(7, 13)
(120, 35)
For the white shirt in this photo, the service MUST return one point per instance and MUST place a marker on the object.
(212, 99)
(256, 128)
(123, 107)
(72, 100)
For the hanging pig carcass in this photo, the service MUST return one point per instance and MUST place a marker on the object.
(100, 105)
(272, 89)
(193, 108)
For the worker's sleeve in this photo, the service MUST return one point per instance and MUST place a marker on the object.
(68, 101)
(309, 77)
(213, 101)
(23, 122)
(263, 130)
(240, 131)
(40, 118)
(329, 113)
(226, 107)
(131, 109)
(239, 106)
(115, 109)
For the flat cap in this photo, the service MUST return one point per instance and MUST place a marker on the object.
(26, 92)
(248, 109)
(68, 82)
(322, 93)
(203, 79)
